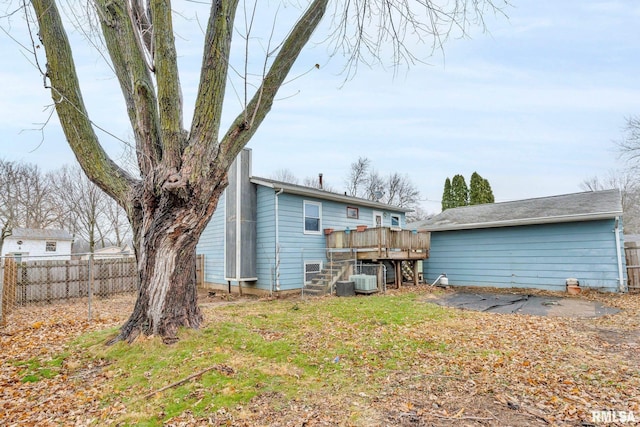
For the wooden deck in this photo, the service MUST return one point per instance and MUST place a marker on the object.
(382, 243)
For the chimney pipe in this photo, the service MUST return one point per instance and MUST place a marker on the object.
(320, 180)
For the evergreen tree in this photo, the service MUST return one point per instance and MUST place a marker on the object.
(475, 189)
(488, 192)
(456, 193)
(459, 191)
(447, 201)
(480, 190)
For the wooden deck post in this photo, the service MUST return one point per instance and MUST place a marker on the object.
(415, 273)
(398, 266)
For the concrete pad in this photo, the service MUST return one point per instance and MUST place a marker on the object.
(525, 304)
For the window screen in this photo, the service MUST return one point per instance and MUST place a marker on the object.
(312, 217)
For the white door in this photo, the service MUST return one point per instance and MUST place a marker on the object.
(377, 219)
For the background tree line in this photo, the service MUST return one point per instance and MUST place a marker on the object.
(456, 193)
(60, 199)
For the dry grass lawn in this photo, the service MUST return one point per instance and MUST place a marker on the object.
(392, 359)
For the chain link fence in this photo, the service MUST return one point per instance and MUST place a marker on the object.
(36, 281)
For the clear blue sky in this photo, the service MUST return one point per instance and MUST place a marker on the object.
(533, 106)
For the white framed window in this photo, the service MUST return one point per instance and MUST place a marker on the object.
(312, 217)
(395, 220)
(51, 247)
(311, 270)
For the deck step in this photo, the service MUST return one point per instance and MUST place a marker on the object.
(322, 282)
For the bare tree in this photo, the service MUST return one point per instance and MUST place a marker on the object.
(284, 175)
(40, 210)
(627, 183)
(25, 198)
(9, 191)
(396, 189)
(183, 172)
(85, 206)
(401, 191)
(357, 179)
(629, 146)
(418, 214)
(318, 182)
(118, 228)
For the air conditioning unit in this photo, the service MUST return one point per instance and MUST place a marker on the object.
(364, 283)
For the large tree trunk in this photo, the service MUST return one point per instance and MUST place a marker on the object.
(167, 298)
(166, 235)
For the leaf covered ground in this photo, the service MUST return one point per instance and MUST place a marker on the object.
(393, 359)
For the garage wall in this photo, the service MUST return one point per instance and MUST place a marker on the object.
(534, 256)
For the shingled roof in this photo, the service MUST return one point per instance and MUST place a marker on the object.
(587, 206)
(40, 234)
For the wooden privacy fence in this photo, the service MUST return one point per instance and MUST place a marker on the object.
(632, 256)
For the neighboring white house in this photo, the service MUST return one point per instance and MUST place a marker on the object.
(109, 252)
(38, 244)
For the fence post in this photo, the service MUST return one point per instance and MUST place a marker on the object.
(2, 315)
(47, 270)
(9, 279)
(90, 290)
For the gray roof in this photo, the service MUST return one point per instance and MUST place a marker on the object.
(587, 206)
(40, 234)
(632, 237)
(324, 194)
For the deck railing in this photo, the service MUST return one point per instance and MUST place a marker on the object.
(381, 239)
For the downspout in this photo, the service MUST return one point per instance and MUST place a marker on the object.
(238, 272)
(621, 286)
(277, 257)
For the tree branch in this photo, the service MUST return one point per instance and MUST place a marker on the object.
(205, 126)
(128, 58)
(168, 81)
(242, 129)
(65, 91)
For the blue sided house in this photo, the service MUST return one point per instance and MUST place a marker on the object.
(268, 236)
(534, 243)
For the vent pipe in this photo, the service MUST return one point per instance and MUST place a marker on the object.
(444, 281)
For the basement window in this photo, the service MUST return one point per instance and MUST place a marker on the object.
(311, 270)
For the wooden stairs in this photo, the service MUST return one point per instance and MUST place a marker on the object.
(324, 282)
